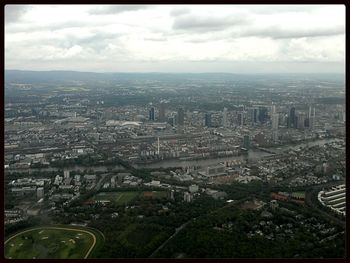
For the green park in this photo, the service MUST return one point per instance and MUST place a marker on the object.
(123, 198)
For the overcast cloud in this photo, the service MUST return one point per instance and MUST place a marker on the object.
(179, 38)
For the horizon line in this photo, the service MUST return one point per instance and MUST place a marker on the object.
(159, 72)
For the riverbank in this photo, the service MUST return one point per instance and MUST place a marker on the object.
(76, 168)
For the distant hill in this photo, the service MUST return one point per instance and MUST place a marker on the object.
(68, 76)
(52, 76)
(23, 76)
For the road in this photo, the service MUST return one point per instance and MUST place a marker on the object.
(177, 230)
(100, 182)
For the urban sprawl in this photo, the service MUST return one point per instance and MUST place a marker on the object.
(137, 152)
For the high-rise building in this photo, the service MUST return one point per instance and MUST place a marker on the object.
(224, 118)
(291, 118)
(162, 112)
(273, 109)
(310, 112)
(207, 120)
(307, 122)
(254, 116)
(275, 119)
(240, 119)
(262, 114)
(311, 116)
(301, 120)
(66, 174)
(151, 114)
(275, 135)
(180, 117)
(246, 142)
(172, 120)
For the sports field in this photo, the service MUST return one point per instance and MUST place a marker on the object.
(155, 194)
(50, 242)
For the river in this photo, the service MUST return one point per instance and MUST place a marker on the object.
(253, 155)
(75, 168)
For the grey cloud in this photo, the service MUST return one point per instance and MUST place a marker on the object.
(277, 9)
(204, 39)
(280, 33)
(97, 37)
(160, 39)
(35, 27)
(97, 41)
(202, 23)
(179, 11)
(116, 9)
(197, 40)
(14, 12)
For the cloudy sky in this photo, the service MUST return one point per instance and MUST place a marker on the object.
(178, 38)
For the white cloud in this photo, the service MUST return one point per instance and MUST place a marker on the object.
(133, 35)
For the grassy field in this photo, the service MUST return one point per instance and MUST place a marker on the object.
(298, 195)
(119, 198)
(122, 198)
(61, 242)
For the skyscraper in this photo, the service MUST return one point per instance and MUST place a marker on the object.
(273, 109)
(224, 118)
(162, 112)
(241, 119)
(172, 120)
(310, 112)
(180, 116)
(274, 135)
(301, 120)
(311, 118)
(275, 117)
(262, 114)
(274, 120)
(291, 122)
(246, 142)
(207, 120)
(151, 114)
(255, 114)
